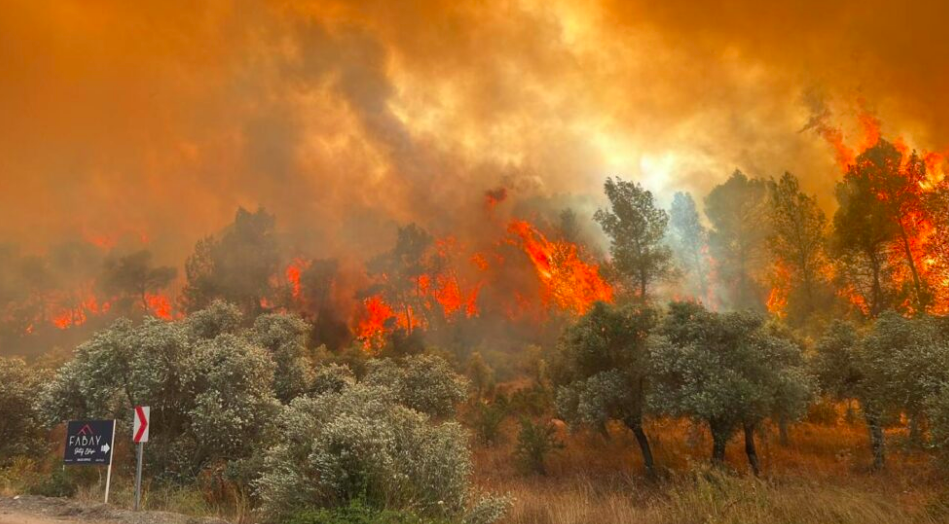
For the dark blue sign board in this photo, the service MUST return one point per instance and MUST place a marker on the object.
(89, 442)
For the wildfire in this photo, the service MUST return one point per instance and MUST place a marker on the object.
(569, 283)
(87, 305)
(375, 322)
(159, 306)
(920, 231)
(292, 274)
(778, 297)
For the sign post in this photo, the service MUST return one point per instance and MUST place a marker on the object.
(90, 442)
(140, 437)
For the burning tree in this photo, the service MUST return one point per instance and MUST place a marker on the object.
(133, 276)
(878, 228)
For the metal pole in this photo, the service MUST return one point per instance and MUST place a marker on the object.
(138, 477)
(108, 476)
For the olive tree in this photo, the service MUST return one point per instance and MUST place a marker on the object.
(896, 366)
(725, 370)
(21, 431)
(208, 383)
(603, 370)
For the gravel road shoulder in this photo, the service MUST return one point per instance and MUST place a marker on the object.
(45, 510)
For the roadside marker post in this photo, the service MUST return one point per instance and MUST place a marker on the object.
(140, 437)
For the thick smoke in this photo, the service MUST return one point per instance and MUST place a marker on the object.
(155, 120)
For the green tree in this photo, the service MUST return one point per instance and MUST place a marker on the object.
(135, 276)
(480, 374)
(797, 243)
(636, 228)
(897, 366)
(535, 442)
(727, 371)
(738, 212)
(604, 370)
(689, 240)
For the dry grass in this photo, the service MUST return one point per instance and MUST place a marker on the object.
(821, 477)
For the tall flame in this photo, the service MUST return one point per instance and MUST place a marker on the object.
(569, 283)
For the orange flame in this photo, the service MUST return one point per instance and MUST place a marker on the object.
(159, 306)
(569, 283)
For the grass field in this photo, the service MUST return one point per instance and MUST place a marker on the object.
(822, 476)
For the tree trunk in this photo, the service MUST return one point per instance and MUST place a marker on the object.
(719, 440)
(703, 287)
(750, 448)
(783, 438)
(917, 429)
(877, 441)
(877, 290)
(917, 285)
(637, 427)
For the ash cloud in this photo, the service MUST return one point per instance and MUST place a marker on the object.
(345, 119)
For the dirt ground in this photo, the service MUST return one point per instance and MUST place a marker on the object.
(43, 510)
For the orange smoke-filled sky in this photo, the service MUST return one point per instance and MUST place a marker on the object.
(158, 118)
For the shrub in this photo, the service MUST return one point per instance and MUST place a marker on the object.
(360, 444)
(425, 383)
(56, 484)
(284, 337)
(331, 378)
(21, 430)
(486, 421)
(359, 513)
(534, 401)
(208, 383)
(535, 441)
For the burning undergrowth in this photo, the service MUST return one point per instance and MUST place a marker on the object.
(513, 274)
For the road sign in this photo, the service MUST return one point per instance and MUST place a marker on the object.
(140, 436)
(89, 442)
(140, 429)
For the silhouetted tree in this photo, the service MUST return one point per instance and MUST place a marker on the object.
(738, 212)
(798, 243)
(689, 239)
(880, 202)
(235, 266)
(134, 275)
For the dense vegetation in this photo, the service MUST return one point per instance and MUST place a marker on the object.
(280, 411)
